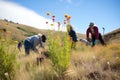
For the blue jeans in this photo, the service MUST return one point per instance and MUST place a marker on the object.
(28, 46)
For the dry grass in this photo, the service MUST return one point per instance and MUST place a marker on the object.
(20, 31)
(19, 34)
(98, 63)
(86, 63)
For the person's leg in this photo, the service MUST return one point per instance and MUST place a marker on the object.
(27, 47)
(74, 45)
(93, 41)
(101, 40)
(27, 51)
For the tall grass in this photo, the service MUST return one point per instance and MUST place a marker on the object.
(98, 63)
(82, 63)
(8, 63)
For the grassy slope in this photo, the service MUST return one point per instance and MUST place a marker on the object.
(113, 36)
(98, 63)
(86, 63)
(20, 31)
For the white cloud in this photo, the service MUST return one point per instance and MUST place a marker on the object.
(20, 14)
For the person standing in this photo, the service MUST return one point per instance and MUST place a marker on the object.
(95, 35)
(72, 35)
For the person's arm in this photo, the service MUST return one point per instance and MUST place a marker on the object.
(40, 42)
(34, 47)
(96, 33)
(74, 36)
(43, 44)
(87, 34)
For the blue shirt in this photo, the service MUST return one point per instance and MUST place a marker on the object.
(34, 40)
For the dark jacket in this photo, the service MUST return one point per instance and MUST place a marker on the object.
(72, 34)
(94, 32)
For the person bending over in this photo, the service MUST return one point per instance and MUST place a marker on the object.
(31, 42)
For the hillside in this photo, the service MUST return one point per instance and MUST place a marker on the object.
(20, 31)
(62, 63)
(113, 37)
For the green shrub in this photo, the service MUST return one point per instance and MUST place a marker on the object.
(7, 62)
(59, 50)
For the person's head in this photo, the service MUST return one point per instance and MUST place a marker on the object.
(44, 38)
(91, 24)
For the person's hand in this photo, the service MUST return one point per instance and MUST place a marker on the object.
(89, 39)
(88, 43)
(36, 50)
(96, 41)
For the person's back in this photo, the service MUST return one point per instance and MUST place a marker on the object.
(34, 40)
(31, 42)
(72, 33)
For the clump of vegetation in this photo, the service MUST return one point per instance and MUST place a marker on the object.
(7, 62)
(59, 50)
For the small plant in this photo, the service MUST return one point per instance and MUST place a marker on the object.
(59, 49)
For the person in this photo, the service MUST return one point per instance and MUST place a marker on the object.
(73, 36)
(20, 45)
(88, 43)
(95, 35)
(31, 42)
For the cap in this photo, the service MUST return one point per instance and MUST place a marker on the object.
(91, 24)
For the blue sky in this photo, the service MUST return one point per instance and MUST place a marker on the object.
(104, 13)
